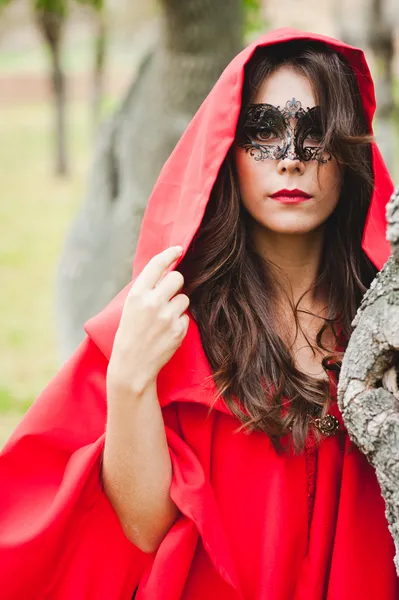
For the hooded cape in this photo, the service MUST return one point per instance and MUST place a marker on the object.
(243, 532)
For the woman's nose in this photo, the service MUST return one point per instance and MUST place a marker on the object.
(290, 165)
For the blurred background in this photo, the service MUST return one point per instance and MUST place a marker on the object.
(94, 94)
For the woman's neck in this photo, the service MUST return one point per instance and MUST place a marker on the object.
(298, 259)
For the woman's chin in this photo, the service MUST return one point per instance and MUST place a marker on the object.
(294, 226)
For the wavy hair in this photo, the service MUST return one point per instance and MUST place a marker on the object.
(226, 278)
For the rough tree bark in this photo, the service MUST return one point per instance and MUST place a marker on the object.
(368, 394)
(199, 38)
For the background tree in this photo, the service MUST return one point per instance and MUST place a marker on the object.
(197, 39)
(373, 28)
(50, 17)
(381, 40)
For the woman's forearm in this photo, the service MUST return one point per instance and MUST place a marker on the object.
(137, 469)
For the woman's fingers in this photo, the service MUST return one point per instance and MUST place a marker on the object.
(155, 268)
(185, 319)
(179, 304)
(169, 285)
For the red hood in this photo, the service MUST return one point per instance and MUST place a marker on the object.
(178, 201)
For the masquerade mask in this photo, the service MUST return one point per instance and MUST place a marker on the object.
(266, 132)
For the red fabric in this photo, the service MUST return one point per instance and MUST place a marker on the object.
(244, 532)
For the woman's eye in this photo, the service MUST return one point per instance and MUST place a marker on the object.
(266, 135)
(313, 139)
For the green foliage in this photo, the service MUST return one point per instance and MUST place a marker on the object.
(254, 21)
(253, 5)
(96, 4)
(59, 7)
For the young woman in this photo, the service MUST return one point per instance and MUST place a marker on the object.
(192, 448)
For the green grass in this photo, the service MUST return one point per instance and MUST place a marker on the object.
(76, 58)
(7, 402)
(35, 210)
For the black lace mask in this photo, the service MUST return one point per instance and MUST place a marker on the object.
(265, 132)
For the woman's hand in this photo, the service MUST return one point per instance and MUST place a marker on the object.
(137, 468)
(152, 327)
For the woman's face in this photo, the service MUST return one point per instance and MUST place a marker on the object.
(270, 161)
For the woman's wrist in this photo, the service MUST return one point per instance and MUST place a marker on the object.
(137, 388)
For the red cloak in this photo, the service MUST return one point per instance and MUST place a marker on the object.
(243, 532)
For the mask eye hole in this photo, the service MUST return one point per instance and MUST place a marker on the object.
(265, 136)
(312, 139)
(309, 130)
(263, 124)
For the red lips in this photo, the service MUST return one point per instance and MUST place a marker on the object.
(290, 196)
(291, 193)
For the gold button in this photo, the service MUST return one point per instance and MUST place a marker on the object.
(328, 425)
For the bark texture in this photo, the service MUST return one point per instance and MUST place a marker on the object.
(368, 393)
(198, 39)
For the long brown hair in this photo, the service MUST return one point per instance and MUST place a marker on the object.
(232, 288)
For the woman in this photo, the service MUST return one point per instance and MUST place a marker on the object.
(244, 484)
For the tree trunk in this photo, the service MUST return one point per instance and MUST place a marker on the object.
(59, 87)
(51, 25)
(368, 394)
(198, 38)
